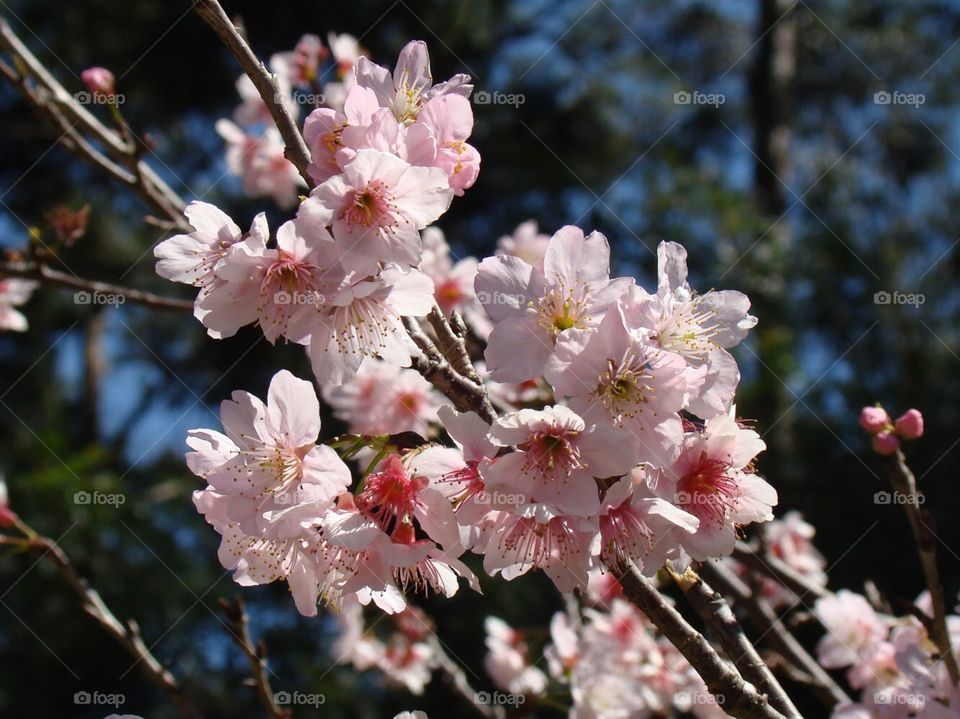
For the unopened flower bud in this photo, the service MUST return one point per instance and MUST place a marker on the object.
(885, 443)
(910, 424)
(99, 80)
(874, 419)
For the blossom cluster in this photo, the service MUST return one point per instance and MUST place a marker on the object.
(892, 661)
(789, 539)
(255, 150)
(616, 441)
(608, 657)
(340, 275)
(616, 468)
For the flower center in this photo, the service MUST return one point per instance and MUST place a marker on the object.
(390, 494)
(561, 309)
(624, 386)
(448, 294)
(469, 480)
(363, 327)
(536, 544)
(371, 207)
(708, 491)
(408, 100)
(552, 451)
(287, 274)
(687, 330)
(286, 465)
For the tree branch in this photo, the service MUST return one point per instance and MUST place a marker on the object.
(296, 150)
(723, 625)
(239, 630)
(466, 395)
(770, 566)
(738, 698)
(127, 634)
(42, 273)
(81, 129)
(921, 524)
(769, 624)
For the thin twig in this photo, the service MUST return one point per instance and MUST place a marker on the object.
(457, 678)
(80, 129)
(738, 698)
(296, 150)
(239, 625)
(775, 568)
(44, 274)
(921, 523)
(770, 625)
(127, 634)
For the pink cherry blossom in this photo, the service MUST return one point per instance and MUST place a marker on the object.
(527, 243)
(267, 463)
(268, 286)
(533, 309)
(874, 419)
(257, 559)
(790, 539)
(99, 80)
(377, 207)
(533, 537)
(602, 587)
(301, 66)
(620, 380)
(453, 281)
(192, 258)
(885, 443)
(557, 459)
(853, 628)
(359, 318)
(380, 528)
(13, 293)
(457, 472)
(699, 328)
(345, 50)
(404, 657)
(449, 119)
(334, 136)
(638, 527)
(259, 161)
(713, 480)
(385, 399)
(507, 660)
(411, 85)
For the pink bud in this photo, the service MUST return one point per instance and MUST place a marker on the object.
(874, 419)
(910, 424)
(885, 443)
(99, 80)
